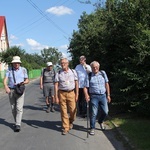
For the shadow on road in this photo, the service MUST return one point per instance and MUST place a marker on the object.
(32, 107)
(10, 125)
(53, 125)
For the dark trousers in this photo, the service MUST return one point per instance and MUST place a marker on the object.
(81, 102)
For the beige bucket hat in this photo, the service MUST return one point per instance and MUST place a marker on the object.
(16, 59)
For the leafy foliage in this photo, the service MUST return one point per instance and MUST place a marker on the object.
(118, 36)
(31, 61)
(51, 54)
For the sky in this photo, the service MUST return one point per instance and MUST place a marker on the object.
(37, 24)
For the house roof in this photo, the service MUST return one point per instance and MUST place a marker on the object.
(2, 23)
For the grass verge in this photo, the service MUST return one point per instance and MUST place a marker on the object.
(135, 128)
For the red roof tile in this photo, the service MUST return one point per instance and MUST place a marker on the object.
(2, 23)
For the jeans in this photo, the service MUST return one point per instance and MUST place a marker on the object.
(96, 102)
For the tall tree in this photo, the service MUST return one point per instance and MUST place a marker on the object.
(51, 54)
(118, 37)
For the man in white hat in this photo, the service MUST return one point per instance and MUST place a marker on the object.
(16, 75)
(47, 84)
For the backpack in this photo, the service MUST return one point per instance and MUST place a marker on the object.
(90, 74)
(45, 70)
(70, 69)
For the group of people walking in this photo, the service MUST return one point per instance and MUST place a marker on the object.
(66, 87)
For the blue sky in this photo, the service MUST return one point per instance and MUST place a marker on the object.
(37, 24)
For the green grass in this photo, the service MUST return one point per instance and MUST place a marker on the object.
(136, 129)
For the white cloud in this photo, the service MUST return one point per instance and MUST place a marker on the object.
(18, 45)
(63, 47)
(64, 51)
(12, 37)
(60, 10)
(35, 45)
(64, 55)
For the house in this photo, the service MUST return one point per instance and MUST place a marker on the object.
(4, 44)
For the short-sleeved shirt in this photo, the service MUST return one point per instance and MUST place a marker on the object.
(66, 79)
(20, 74)
(48, 76)
(82, 73)
(97, 82)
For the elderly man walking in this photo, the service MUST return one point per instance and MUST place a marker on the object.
(99, 95)
(16, 75)
(66, 94)
(83, 69)
(47, 84)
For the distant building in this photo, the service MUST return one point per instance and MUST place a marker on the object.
(4, 44)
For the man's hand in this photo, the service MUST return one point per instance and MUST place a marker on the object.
(7, 89)
(56, 100)
(41, 86)
(87, 97)
(108, 98)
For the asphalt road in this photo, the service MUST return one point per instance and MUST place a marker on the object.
(42, 131)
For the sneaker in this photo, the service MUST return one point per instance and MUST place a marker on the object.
(92, 132)
(102, 126)
(71, 126)
(52, 109)
(64, 132)
(17, 128)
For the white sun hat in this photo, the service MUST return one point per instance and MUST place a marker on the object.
(49, 64)
(16, 59)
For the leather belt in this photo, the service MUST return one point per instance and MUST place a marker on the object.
(66, 90)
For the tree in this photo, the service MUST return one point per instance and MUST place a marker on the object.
(6, 56)
(30, 61)
(51, 54)
(119, 38)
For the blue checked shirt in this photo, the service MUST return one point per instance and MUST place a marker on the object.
(97, 83)
(20, 74)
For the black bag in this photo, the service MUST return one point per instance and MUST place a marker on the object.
(19, 89)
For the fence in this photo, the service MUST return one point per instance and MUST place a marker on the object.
(32, 74)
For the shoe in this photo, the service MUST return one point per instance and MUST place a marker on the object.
(48, 110)
(17, 128)
(102, 126)
(52, 109)
(71, 126)
(64, 132)
(92, 132)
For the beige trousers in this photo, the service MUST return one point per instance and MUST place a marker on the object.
(16, 103)
(68, 108)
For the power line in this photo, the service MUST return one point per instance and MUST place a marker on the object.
(46, 17)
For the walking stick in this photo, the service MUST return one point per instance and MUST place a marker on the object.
(87, 119)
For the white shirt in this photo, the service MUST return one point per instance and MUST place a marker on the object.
(82, 72)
